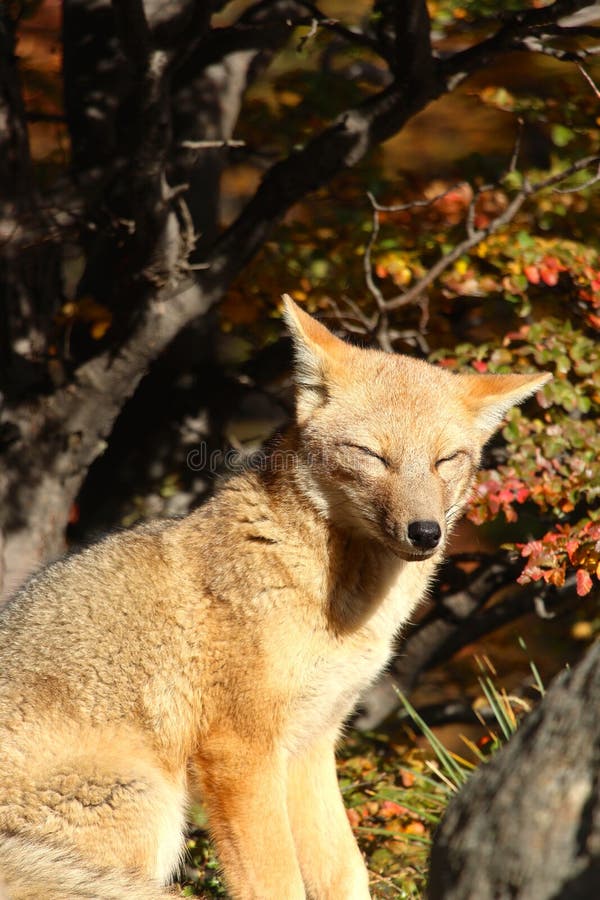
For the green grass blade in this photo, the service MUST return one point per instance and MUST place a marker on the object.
(453, 771)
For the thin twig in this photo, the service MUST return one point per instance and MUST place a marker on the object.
(368, 269)
(206, 145)
(310, 34)
(512, 167)
(380, 330)
(535, 44)
(351, 35)
(366, 324)
(580, 187)
(415, 204)
(589, 80)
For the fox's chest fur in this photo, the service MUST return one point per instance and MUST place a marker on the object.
(316, 614)
(329, 672)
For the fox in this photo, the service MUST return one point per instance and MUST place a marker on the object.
(218, 656)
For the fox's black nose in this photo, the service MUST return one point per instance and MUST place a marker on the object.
(425, 535)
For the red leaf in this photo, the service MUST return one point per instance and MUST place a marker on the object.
(549, 276)
(571, 546)
(584, 582)
(533, 548)
(534, 573)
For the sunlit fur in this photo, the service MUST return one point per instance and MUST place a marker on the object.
(220, 654)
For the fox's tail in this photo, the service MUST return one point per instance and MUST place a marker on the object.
(31, 868)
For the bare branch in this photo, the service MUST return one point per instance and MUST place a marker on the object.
(536, 44)
(478, 235)
(206, 145)
(516, 27)
(356, 321)
(350, 35)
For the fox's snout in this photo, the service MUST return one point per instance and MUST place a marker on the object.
(414, 538)
(424, 534)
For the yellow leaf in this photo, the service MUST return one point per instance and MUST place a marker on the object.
(99, 329)
(289, 98)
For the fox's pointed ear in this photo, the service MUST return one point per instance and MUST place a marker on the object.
(490, 397)
(316, 352)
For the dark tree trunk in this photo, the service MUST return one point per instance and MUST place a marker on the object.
(527, 824)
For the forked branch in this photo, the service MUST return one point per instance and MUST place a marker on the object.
(378, 327)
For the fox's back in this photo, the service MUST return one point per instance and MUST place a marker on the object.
(85, 633)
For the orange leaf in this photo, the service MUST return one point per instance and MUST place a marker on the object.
(532, 274)
(390, 809)
(353, 817)
(407, 778)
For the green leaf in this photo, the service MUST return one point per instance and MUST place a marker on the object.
(561, 135)
(524, 240)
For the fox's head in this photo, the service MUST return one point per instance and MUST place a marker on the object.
(390, 444)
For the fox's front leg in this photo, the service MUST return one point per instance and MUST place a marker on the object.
(331, 863)
(244, 789)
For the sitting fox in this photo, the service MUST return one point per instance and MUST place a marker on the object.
(220, 654)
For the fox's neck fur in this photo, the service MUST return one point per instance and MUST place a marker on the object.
(359, 574)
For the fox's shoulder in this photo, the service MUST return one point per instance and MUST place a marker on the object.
(252, 536)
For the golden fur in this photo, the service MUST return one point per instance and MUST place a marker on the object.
(221, 653)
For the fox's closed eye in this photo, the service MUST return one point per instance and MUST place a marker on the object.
(367, 452)
(451, 457)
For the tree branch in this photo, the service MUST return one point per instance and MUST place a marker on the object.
(516, 27)
(476, 235)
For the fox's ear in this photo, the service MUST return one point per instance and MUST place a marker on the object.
(316, 352)
(491, 396)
